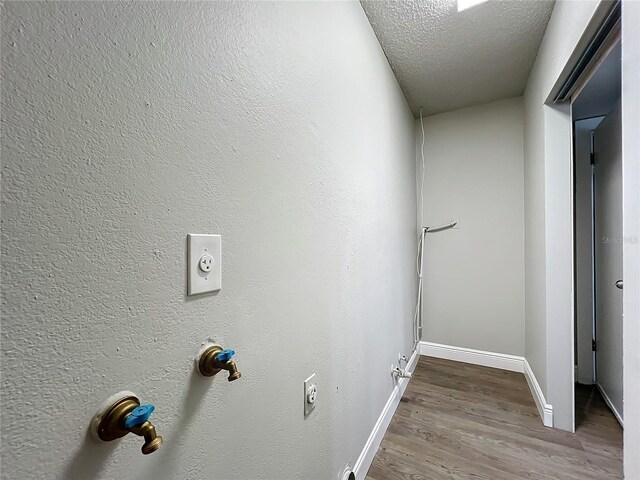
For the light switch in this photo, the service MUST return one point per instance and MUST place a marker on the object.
(204, 263)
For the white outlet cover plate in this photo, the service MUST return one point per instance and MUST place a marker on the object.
(309, 407)
(199, 281)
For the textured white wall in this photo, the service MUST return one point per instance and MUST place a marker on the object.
(568, 22)
(127, 125)
(474, 275)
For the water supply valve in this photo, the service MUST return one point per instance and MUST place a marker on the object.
(121, 414)
(212, 358)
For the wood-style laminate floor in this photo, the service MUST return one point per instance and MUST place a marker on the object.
(459, 421)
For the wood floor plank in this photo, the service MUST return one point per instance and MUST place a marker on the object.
(460, 422)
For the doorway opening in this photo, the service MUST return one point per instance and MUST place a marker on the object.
(597, 228)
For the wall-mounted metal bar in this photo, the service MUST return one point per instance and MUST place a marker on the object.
(439, 228)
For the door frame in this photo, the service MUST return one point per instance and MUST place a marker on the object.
(559, 152)
(631, 232)
(610, 357)
(581, 342)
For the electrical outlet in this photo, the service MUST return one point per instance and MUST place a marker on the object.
(204, 263)
(310, 394)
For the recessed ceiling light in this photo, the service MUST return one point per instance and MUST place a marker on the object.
(466, 4)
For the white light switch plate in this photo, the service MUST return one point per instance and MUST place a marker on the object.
(204, 263)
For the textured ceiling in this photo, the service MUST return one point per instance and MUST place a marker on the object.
(445, 59)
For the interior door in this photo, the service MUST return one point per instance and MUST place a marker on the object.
(608, 257)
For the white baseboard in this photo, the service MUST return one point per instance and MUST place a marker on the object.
(502, 361)
(545, 410)
(371, 447)
(513, 363)
(610, 403)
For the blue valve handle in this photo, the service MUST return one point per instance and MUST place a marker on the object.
(139, 415)
(225, 355)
